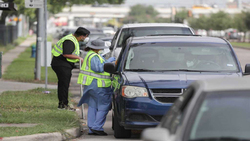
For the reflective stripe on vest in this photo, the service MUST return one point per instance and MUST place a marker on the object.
(95, 75)
(87, 61)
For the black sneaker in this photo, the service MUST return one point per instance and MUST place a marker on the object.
(67, 107)
(92, 134)
(99, 133)
(61, 107)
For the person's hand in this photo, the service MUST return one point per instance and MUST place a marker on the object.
(111, 59)
(81, 60)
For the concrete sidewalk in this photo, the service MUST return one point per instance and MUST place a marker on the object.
(7, 58)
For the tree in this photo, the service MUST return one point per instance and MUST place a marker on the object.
(239, 23)
(246, 18)
(53, 6)
(200, 23)
(220, 21)
(141, 14)
(180, 16)
(216, 21)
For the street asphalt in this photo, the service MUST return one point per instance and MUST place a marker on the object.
(5, 85)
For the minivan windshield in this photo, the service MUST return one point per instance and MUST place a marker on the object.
(222, 116)
(145, 31)
(178, 56)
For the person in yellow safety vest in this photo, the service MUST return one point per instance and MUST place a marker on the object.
(65, 54)
(97, 90)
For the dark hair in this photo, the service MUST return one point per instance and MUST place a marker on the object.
(87, 49)
(81, 31)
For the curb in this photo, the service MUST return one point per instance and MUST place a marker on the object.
(55, 136)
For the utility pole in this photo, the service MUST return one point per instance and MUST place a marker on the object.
(45, 43)
(39, 40)
(39, 44)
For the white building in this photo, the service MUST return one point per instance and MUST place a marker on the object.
(90, 16)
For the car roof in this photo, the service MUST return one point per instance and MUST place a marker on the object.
(154, 24)
(224, 84)
(106, 38)
(177, 38)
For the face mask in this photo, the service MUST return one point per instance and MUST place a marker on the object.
(86, 40)
(100, 52)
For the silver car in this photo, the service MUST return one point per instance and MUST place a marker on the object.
(209, 110)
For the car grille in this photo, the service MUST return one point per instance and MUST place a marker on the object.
(144, 117)
(166, 95)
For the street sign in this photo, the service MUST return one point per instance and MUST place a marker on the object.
(34, 3)
(10, 6)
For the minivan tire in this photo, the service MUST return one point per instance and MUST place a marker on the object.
(119, 131)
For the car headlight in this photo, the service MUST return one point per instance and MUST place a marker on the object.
(132, 91)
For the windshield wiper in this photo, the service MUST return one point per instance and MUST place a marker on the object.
(171, 35)
(143, 70)
(221, 139)
(188, 70)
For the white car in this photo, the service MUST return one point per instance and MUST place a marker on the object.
(146, 29)
(108, 30)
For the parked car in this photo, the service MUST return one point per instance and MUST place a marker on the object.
(232, 34)
(108, 30)
(145, 29)
(92, 36)
(209, 110)
(66, 30)
(153, 71)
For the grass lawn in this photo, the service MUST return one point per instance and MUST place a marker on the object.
(35, 107)
(22, 70)
(239, 44)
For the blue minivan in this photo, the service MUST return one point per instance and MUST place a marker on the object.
(153, 71)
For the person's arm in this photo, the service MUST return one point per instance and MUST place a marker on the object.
(96, 65)
(71, 56)
(68, 48)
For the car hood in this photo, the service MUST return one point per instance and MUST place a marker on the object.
(170, 80)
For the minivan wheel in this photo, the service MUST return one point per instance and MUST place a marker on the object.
(119, 131)
(112, 122)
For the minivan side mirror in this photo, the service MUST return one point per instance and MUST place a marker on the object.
(107, 43)
(111, 47)
(155, 134)
(109, 67)
(247, 69)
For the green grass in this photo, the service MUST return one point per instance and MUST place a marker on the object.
(239, 44)
(22, 70)
(34, 106)
(8, 47)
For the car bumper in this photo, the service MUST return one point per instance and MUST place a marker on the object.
(140, 113)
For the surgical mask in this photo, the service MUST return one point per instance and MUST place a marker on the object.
(100, 52)
(86, 40)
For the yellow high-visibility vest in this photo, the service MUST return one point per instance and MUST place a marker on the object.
(87, 75)
(58, 47)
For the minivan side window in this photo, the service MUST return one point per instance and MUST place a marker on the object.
(120, 58)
